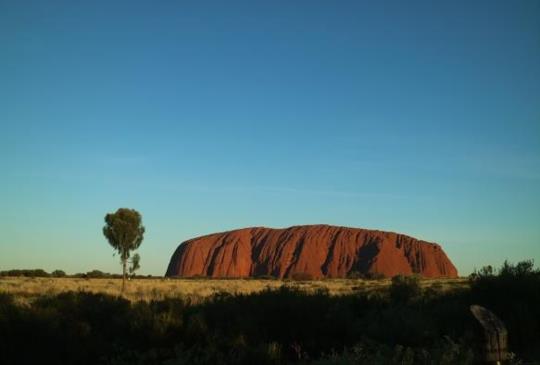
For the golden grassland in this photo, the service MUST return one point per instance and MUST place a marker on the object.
(25, 289)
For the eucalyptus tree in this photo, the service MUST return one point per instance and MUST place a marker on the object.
(125, 232)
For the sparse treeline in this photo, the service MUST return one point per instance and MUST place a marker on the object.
(40, 273)
(32, 273)
(402, 325)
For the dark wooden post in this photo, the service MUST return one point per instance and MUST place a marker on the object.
(495, 348)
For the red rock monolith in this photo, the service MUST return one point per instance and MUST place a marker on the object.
(318, 250)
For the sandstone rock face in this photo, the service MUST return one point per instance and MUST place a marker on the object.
(318, 250)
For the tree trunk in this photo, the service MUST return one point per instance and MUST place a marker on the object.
(124, 262)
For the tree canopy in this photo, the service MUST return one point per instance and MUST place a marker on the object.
(125, 232)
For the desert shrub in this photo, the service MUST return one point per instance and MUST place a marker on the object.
(444, 352)
(58, 273)
(374, 276)
(355, 275)
(366, 276)
(484, 273)
(404, 288)
(5, 299)
(513, 293)
(96, 274)
(280, 326)
(34, 273)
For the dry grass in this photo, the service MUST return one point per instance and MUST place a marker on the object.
(26, 289)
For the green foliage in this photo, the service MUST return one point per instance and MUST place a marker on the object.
(484, 272)
(513, 293)
(39, 273)
(134, 264)
(405, 288)
(521, 270)
(274, 327)
(367, 276)
(97, 274)
(33, 273)
(124, 232)
(58, 273)
(355, 275)
(374, 276)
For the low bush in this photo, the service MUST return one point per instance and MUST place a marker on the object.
(365, 276)
(34, 273)
(274, 327)
(513, 293)
(58, 274)
(404, 288)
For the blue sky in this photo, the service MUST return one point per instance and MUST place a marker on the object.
(419, 117)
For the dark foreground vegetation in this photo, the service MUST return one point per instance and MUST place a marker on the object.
(401, 325)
